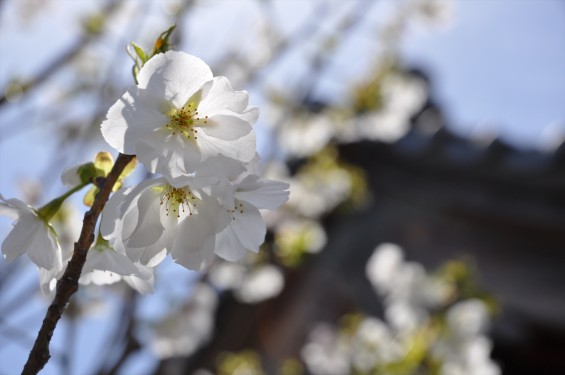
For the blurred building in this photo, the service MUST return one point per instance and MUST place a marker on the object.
(439, 196)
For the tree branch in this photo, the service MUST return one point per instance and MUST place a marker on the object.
(63, 59)
(68, 285)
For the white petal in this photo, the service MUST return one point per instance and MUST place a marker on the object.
(48, 280)
(197, 260)
(213, 170)
(166, 153)
(135, 114)
(44, 249)
(99, 278)
(218, 96)
(226, 127)
(13, 207)
(249, 227)
(174, 75)
(228, 245)
(19, 239)
(109, 260)
(144, 272)
(143, 286)
(194, 246)
(149, 228)
(129, 210)
(242, 149)
(152, 258)
(70, 176)
(154, 254)
(9, 211)
(263, 193)
(111, 214)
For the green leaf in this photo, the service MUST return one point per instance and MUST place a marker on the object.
(140, 53)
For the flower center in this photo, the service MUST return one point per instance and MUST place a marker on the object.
(178, 200)
(238, 208)
(184, 121)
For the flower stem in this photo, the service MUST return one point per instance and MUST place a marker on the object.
(50, 209)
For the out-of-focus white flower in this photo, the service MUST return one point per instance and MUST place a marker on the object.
(383, 266)
(326, 352)
(305, 135)
(405, 282)
(468, 357)
(468, 318)
(227, 275)
(385, 126)
(250, 284)
(372, 344)
(551, 137)
(405, 317)
(30, 235)
(181, 333)
(261, 283)
(401, 96)
(408, 291)
(307, 235)
(179, 115)
(70, 176)
(404, 93)
(464, 349)
(313, 194)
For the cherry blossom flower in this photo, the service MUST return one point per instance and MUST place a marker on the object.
(208, 212)
(31, 235)
(180, 115)
(246, 227)
(152, 219)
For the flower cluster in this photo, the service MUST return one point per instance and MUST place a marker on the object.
(429, 326)
(196, 131)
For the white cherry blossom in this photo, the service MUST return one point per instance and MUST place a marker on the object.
(155, 218)
(30, 235)
(180, 115)
(246, 228)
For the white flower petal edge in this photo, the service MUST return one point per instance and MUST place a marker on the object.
(174, 76)
(31, 236)
(179, 115)
(246, 228)
(106, 266)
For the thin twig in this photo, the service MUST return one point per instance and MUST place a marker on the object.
(68, 285)
(63, 59)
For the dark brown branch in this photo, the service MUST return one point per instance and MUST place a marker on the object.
(68, 284)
